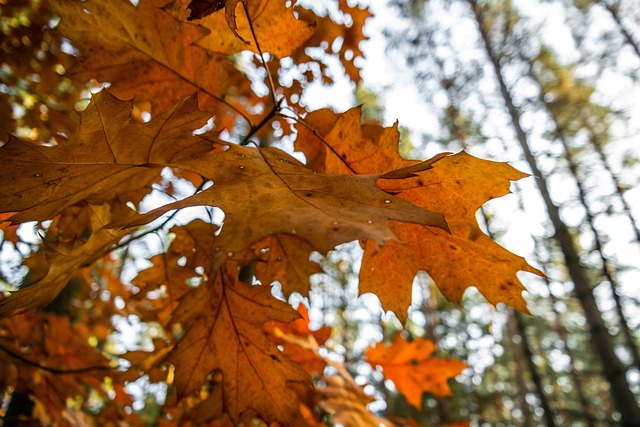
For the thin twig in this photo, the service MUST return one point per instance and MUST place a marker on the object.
(272, 86)
(51, 369)
(157, 228)
(256, 128)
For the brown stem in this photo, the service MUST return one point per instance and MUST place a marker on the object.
(53, 370)
(272, 86)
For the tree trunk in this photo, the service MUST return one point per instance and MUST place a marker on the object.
(603, 343)
(607, 270)
(597, 146)
(628, 38)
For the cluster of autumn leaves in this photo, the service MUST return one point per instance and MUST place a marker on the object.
(230, 352)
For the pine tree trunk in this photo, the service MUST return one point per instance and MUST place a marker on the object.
(628, 38)
(519, 358)
(597, 146)
(535, 376)
(614, 370)
(560, 329)
(607, 270)
(524, 356)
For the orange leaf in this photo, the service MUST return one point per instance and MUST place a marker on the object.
(277, 29)
(300, 343)
(9, 232)
(110, 155)
(64, 259)
(324, 210)
(455, 185)
(412, 369)
(127, 46)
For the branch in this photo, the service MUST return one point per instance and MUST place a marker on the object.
(257, 127)
(269, 77)
(29, 362)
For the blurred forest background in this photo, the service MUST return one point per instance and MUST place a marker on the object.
(552, 86)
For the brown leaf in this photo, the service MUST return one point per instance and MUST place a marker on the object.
(412, 369)
(276, 28)
(165, 282)
(223, 322)
(276, 194)
(328, 31)
(285, 258)
(109, 155)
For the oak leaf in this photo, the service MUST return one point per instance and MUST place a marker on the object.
(64, 259)
(456, 185)
(223, 331)
(285, 258)
(412, 369)
(111, 154)
(276, 28)
(127, 46)
(266, 191)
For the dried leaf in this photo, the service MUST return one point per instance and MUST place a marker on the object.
(285, 258)
(127, 46)
(110, 155)
(64, 259)
(277, 29)
(276, 194)
(223, 322)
